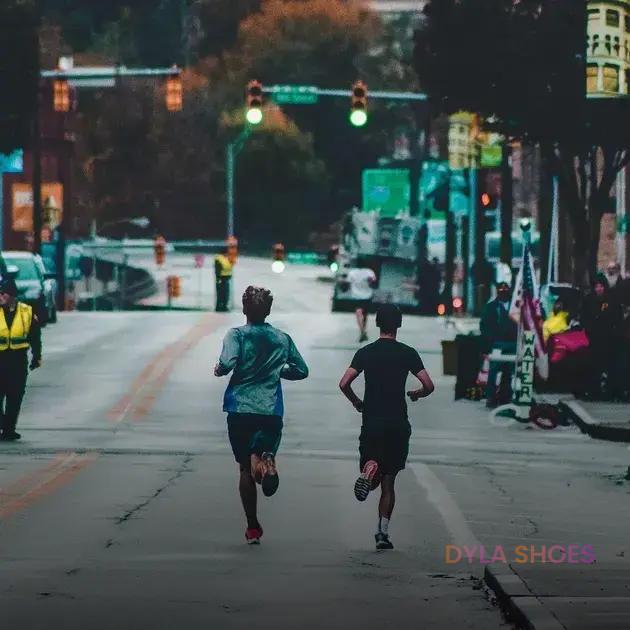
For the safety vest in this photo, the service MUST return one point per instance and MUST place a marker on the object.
(17, 337)
(223, 266)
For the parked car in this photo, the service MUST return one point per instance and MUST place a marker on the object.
(36, 286)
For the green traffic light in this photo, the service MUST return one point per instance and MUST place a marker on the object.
(358, 118)
(254, 116)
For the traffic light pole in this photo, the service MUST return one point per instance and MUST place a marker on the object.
(231, 153)
(472, 233)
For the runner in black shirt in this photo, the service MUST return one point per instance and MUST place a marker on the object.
(384, 440)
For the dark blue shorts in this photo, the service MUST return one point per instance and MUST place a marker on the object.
(253, 434)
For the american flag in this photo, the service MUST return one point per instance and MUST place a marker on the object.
(526, 308)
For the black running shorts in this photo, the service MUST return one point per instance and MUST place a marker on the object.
(387, 444)
(252, 433)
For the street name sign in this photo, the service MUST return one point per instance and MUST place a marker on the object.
(295, 94)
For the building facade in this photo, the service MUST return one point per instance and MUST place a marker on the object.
(608, 48)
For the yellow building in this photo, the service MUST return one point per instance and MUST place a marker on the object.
(608, 48)
(462, 148)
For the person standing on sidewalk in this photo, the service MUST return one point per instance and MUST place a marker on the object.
(19, 331)
(223, 275)
(602, 318)
(259, 356)
(385, 431)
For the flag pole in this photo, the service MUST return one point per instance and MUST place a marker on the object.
(523, 382)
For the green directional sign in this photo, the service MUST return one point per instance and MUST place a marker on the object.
(386, 190)
(295, 94)
(491, 156)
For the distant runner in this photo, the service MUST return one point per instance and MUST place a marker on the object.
(259, 355)
(385, 432)
(362, 282)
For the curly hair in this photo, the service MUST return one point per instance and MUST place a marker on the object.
(257, 303)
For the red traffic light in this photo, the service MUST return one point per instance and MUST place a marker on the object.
(486, 200)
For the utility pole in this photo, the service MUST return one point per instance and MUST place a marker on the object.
(36, 181)
(449, 266)
(507, 203)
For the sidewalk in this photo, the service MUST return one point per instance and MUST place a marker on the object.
(601, 420)
(564, 596)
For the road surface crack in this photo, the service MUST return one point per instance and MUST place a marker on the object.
(179, 471)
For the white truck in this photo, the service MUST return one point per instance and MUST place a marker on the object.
(389, 246)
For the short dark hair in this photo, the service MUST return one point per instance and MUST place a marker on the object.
(388, 318)
(257, 303)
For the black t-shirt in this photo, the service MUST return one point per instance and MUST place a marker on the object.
(386, 364)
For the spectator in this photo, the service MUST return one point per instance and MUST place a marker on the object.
(557, 322)
(602, 320)
(498, 332)
(619, 286)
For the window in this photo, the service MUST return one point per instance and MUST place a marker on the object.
(616, 46)
(595, 43)
(627, 23)
(612, 17)
(611, 79)
(608, 45)
(591, 78)
(27, 270)
(593, 15)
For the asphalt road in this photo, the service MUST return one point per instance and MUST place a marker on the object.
(119, 508)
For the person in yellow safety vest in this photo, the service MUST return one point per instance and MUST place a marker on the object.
(19, 331)
(223, 274)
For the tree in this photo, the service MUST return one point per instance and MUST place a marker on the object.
(521, 65)
(19, 72)
(281, 184)
(326, 43)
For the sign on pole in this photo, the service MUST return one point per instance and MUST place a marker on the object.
(524, 383)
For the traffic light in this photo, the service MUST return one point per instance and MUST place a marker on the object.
(331, 257)
(358, 110)
(61, 95)
(254, 113)
(173, 286)
(159, 248)
(232, 249)
(174, 93)
(486, 201)
(278, 266)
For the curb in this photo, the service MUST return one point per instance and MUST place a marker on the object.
(518, 603)
(593, 427)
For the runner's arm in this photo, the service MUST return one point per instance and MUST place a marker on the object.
(229, 355)
(295, 368)
(426, 386)
(345, 385)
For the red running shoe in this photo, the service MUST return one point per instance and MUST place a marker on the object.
(363, 484)
(253, 535)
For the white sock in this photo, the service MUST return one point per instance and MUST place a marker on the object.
(383, 524)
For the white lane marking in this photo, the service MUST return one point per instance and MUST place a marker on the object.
(443, 502)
